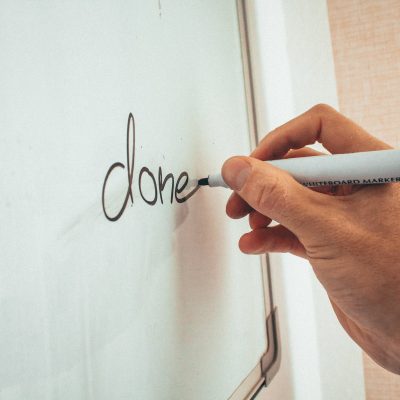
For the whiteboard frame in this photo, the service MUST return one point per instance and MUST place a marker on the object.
(267, 367)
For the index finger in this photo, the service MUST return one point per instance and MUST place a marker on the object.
(323, 124)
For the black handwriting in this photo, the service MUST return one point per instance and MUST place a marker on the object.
(177, 187)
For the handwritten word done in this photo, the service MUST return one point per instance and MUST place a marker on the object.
(177, 186)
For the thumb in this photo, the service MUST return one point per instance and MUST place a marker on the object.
(274, 193)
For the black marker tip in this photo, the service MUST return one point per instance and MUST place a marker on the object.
(203, 182)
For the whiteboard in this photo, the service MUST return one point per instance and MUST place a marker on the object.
(107, 292)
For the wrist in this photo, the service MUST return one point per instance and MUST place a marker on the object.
(384, 350)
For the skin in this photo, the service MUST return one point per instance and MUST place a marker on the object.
(349, 234)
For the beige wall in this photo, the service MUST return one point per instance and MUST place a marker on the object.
(366, 46)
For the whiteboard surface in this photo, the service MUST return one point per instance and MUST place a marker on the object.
(159, 304)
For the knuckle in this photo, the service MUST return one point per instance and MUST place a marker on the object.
(322, 108)
(271, 194)
(252, 220)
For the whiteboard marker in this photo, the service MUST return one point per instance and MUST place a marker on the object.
(365, 168)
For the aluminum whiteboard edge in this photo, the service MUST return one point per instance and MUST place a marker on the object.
(265, 370)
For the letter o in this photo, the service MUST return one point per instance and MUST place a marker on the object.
(142, 171)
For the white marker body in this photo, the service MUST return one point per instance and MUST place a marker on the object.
(365, 168)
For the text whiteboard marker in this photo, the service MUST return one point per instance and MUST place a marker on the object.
(365, 168)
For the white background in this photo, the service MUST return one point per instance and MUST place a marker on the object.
(160, 304)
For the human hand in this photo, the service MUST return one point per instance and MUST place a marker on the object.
(350, 235)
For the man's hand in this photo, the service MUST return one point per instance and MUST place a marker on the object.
(350, 235)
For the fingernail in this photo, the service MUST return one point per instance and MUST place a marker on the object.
(235, 172)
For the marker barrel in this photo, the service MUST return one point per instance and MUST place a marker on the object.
(372, 167)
